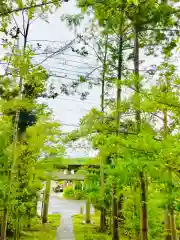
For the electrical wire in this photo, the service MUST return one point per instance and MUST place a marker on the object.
(65, 54)
(76, 100)
(72, 79)
(77, 74)
(73, 71)
(65, 59)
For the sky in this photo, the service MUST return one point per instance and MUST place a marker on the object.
(66, 109)
(53, 34)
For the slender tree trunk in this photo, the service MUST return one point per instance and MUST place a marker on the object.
(12, 172)
(173, 225)
(17, 228)
(144, 212)
(167, 225)
(144, 216)
(135, 211)
(103, 210)
(167, 212)
(115, 229)
(29, 218)
(170, 219)
(110, 221)
(171, 210)
(4, 223)
(120, 213)
(88, 211)
(46, 201)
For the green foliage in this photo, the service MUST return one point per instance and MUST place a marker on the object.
(70, 193)
(89, 231)
(39, 231)
(145, 141)
(138, 154)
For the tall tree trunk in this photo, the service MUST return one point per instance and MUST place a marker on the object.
(110, 221)
(115, 229)
(120, 213)
(173, 225)
(144, 212)
(171, 210)
(170, 219)
(29, 217)
(12, 172)
(46, 201)
(167, 213)
(4, 223)
(17, 227)
(88, 211)
(167, 225)
(144, 217)
(103, 210)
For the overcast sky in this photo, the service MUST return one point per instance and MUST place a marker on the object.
(55, 34)
(67, 110)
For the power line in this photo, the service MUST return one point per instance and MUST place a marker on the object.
(59, 51)
(75, 100)
(70, 65)
(81, 109)
(69, 60)
(73, 79)
(66, 54)
(44, 40)
(77, 74)
(75, 97)
(70, 125)
(71, 71)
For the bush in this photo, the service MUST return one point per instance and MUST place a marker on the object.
(68, 192)
(79, 195)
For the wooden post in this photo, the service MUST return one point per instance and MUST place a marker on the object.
(88, 211)
(46, 200)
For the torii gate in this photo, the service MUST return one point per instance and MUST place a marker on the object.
(70, 164)
(74, 164)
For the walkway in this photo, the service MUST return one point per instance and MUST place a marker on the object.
(65, 231)
(67, 208)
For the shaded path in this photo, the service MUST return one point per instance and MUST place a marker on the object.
(65, 231)
(67, 208)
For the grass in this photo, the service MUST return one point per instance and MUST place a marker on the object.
(40, 231)
(89, 231)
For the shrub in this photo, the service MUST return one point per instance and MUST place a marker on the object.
(78, 195)
(68, 192)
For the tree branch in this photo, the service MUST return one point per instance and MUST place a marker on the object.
(5, 13)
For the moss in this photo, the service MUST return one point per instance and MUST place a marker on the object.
(40, 231)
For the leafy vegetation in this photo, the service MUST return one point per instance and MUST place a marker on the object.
(89, 231)
(70, 193)
(134, 179)
(136, 133)
(39, 231)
